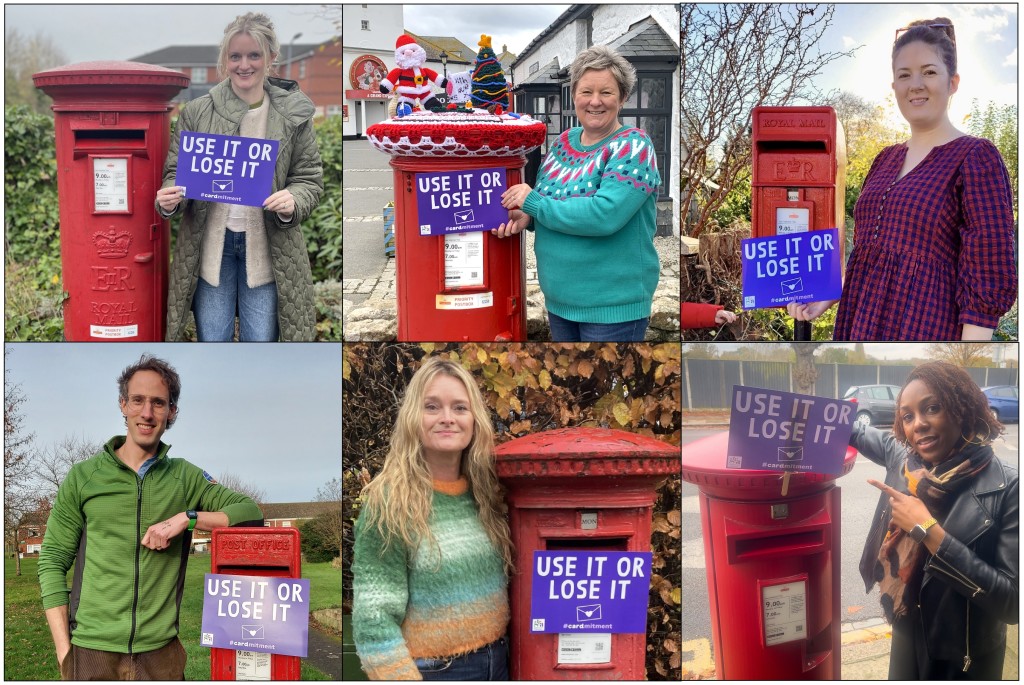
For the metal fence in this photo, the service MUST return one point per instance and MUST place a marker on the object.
(707, 383)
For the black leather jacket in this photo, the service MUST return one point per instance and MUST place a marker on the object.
(969, 590)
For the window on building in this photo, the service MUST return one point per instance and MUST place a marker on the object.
(198, 75)
(650, 108)
(302, 69)
(33, 549)
(33, 533)
(365, 23)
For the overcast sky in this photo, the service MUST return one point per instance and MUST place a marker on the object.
(87, 32)
(986, 39)
(269, 414)
(508, 24)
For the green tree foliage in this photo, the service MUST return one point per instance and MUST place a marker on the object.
(316, 546)
(531, 387)
(323, 228)
(998, 123)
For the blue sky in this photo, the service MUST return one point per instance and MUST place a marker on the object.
(986, 50)
(269, 414)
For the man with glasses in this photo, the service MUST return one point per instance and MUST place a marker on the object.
(127, 514)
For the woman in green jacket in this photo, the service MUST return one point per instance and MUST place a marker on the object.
(252, 258)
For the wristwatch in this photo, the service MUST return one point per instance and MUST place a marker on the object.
(193, 517)
(919, 532)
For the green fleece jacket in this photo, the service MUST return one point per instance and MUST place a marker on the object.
(125, 597)
(298, 168)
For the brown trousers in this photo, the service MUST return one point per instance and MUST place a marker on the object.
(166, 663)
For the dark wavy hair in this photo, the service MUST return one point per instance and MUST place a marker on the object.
(959, 396)
(148, 362)
(938, 33)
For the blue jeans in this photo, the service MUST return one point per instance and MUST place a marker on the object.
(490, 662)
(215, 307)
(563, 330)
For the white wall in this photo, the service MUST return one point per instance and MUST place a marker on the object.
(386, 24)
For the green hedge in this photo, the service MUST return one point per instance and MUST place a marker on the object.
(32, 229)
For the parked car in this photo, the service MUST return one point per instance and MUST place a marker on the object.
(876, 404)
(1002, 400)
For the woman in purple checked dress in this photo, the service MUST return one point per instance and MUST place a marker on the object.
(933, 255)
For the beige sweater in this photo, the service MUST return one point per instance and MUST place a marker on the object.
(248, 219)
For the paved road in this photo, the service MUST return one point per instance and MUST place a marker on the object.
(367, 187)
(325, 653)
(858, 506)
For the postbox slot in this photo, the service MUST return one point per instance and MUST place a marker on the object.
(254, 570)
(595, 544)
(109, 139)
(792, 145)
(800, 542)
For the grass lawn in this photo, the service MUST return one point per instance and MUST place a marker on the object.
(28, 648)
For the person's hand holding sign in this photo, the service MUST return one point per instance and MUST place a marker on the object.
(168, 198)
(281, 202)
(517, 221)
(908, 512)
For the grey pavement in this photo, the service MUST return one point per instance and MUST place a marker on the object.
(367, 187)
(324, 652)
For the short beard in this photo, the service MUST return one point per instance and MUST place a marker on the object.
(415, 60)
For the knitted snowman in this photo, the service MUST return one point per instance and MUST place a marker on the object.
(410, 79)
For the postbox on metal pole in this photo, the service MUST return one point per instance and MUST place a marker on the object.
(582, 490)
(773, 566)
(112, 127)
(798, 182)
(272, 552)
(458, 285)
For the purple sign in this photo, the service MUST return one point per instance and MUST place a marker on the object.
(256, 614)
(460, 201)
(590, 592)
(795, 267)
(228, 169)
(782, 431)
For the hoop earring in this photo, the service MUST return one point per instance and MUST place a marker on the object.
(981, 441)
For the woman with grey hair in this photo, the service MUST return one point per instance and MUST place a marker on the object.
(593, 211)
(229, 256)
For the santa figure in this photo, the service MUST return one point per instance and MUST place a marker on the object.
(410, 79)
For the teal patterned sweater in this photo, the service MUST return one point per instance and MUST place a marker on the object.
(409, 604)
(593, 210)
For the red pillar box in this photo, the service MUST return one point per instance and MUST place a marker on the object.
(799, 171)
(112, 125)
(577, 496)
(456, 281)
(773, 566)
(247, 600)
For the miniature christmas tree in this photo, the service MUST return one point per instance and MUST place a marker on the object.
(490, 89)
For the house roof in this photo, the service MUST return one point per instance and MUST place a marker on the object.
(646, 39)
(573, 13)
(298, 510)
(458, 52)
(206, 55)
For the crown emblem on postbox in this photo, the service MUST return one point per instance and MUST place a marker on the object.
(112, 244)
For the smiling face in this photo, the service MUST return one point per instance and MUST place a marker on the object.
(922, 85)
(446, 426)
(147, 422)
(246, 67)
(930, 429)
(598, 101)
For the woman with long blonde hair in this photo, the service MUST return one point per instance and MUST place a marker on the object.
(432, 551)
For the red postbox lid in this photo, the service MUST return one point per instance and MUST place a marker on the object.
(93, 81)
(585, 451)
(461, 134)
(256, 548)
(704, 466)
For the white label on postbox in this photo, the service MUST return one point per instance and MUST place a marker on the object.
(588, 520)
(110, 184)
(109, 332)
(792, 220)
(784, 607)
(584, 648)
(470, 301)
(463, 260)
(252, 665)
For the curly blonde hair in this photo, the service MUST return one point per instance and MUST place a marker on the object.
(398, 500)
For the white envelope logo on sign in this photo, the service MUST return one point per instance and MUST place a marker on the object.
(791, 454)
(464, 217)
(252, 632)
(227, 186)
(793, 285)
(589, 612)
